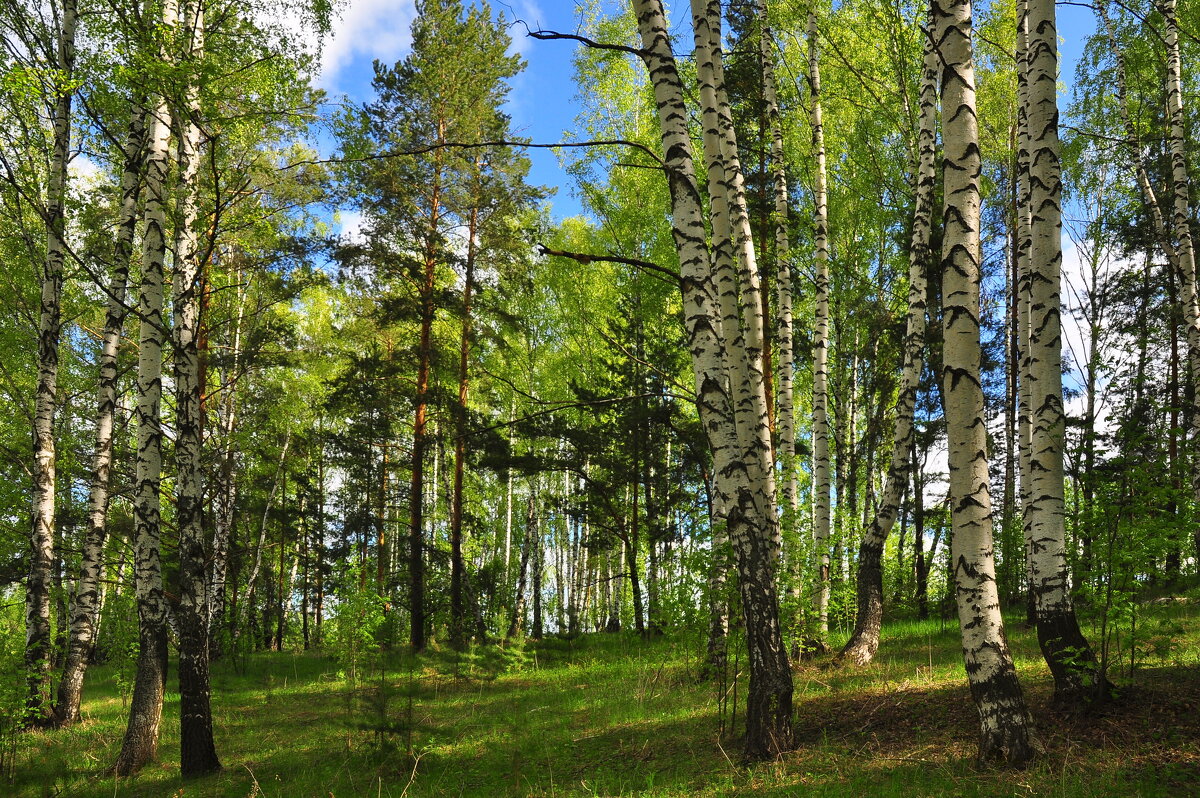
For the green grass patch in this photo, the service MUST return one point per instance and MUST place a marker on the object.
(615, 715)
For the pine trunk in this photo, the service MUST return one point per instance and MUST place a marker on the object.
(457, 609)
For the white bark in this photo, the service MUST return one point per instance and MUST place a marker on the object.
(820, 433)
(88, 587)
(1181, 214)
(197, 752)
(786, 415)
(750, 502)
(145, 713)
(865, 641)
(994, 686)
(38, 653)
(1063, 645)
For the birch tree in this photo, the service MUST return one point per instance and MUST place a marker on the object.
(140, 743)
(1066, 651)
(717, 363)
(822, 513)
(784, 338)
(864, 641)
(197, 752)
(1004, 731)
(85, 614)
(1181, 219)
(55, 48)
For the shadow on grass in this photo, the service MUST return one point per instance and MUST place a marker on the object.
(608, 716)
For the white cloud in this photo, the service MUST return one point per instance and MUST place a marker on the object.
(367, 29)
(85, 169)
(350, 225)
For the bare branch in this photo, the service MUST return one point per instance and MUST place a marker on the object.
(467, 145)
(585, 259)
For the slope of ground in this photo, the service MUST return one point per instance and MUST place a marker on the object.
(613, 715)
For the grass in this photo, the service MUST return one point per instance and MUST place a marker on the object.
(613, 715)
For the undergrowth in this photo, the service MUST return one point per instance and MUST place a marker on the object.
(616, 715)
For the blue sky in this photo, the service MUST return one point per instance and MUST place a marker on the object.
(542, 103)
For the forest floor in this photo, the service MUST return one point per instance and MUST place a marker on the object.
(615, 715)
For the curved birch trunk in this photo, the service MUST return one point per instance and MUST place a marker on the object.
(86, 608)
(1071, 660)
(751, 408)
(198, 753)
(1004, 733)
(820, 433)
(140, 744)
(750, 503)
(38, 645)
(864, 642)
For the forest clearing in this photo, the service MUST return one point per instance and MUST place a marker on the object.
(680, 397)
(614, 715)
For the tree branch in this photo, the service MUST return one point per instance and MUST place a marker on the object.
(550, 35)
(466, 145)
(585, 259)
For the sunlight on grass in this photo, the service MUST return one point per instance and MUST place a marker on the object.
(612, 715)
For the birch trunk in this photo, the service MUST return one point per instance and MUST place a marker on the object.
(752, 408)
(864, 642)
(140, 744)
(38, 646)
(718, 607)
(820, 433)
(1071, 660)
(197, 751)
(1024, 252)
(1185, 266)
(786, 415)
(517, 619)
(750, 503)
(1004, 732)
(88, 589)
